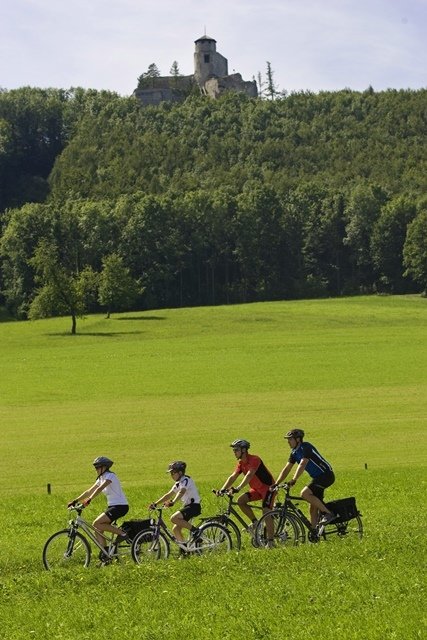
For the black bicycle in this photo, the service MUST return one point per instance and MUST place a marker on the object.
(154, 542)
(292, 527)
(227, 516)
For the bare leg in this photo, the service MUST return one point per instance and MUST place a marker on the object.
(243, 503)
(103, 523)
(316, 505)
(178, 525)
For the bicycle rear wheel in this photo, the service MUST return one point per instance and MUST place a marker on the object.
(66, 549)
(214, 538)
(351, 529)
(277, 530)
(148, 546)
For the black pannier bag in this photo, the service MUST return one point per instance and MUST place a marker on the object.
(345, 509)
(133, 527)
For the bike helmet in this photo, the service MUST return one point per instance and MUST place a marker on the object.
(102, 461)
(240, 444)
(294, 433)
(178, 465)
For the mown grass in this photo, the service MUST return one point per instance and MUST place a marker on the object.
(150, 387)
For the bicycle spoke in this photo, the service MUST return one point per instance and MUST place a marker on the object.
(63, 550)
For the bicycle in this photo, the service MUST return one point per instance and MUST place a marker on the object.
(291, 524)
(154, 543)
(69, 547)
(224, 518)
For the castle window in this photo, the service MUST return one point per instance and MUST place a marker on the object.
(206, 57)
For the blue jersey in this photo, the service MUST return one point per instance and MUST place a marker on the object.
(316, 464)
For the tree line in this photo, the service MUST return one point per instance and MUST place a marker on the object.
(105, 203)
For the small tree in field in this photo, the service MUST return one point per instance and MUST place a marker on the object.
(61, 290)
(117, 289)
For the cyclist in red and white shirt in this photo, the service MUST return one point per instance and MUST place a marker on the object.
(256, 476)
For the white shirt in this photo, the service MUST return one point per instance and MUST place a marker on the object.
(113, 491)
(191, 494)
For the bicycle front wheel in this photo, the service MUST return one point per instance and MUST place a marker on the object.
(148, 546)
(277, 530)
(66, 549)
(214, 538)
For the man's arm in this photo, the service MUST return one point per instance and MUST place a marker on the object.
(247, 478)
(227, 484)
(284, 472)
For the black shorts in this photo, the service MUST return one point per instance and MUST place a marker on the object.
(319, 484)
(117, 511)
(191, 511)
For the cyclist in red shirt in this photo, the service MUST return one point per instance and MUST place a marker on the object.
(259, 479)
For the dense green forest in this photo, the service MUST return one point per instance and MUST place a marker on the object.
(105, 203)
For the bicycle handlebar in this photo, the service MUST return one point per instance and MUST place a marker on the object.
(79, 506)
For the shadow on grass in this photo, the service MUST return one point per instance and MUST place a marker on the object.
(139, 318)
(94, 334)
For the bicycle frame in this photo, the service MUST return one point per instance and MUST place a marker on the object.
(80, 523)
(231, 511)
(228, 516)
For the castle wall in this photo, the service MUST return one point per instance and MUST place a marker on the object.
(210, 74)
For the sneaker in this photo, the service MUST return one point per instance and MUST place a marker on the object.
(103, 555)
(270, 544)
(123, 537)
(327, 518)
(195, 535)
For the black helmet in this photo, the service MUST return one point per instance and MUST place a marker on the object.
(294, 433)
(178, 465)
(240, 444)
(102, 461)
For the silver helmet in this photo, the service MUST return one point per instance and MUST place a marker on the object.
(102, 461)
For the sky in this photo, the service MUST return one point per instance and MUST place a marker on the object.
(312, 45)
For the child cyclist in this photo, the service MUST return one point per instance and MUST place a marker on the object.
(117, 505)
(185, 490)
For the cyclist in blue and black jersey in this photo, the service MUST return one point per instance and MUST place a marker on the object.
(322, 476)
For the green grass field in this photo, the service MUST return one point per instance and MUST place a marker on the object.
(146, 388)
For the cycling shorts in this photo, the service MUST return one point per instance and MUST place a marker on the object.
(319, 484)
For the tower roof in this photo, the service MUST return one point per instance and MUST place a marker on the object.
(205, 37)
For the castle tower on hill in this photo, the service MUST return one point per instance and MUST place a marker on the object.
(207, 61)
(210, 76)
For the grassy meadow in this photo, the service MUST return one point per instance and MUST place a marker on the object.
(147, 388)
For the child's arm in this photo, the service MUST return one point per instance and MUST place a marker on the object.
(164, 498)
(178, 496)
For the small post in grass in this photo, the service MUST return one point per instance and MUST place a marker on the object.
(366, 466)
(49, 491)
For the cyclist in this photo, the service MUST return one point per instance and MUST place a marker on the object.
(117, 505)
(259, 479)
(322, 476)
(183, 489)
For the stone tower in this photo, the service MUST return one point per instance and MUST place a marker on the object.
(207, 61)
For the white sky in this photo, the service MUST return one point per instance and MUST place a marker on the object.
(311, 44)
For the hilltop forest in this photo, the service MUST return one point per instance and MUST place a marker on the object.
(108, 204)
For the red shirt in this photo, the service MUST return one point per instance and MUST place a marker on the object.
(262, 479)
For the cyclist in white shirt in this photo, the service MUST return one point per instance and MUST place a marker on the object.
(117, 505)
(183, 489)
